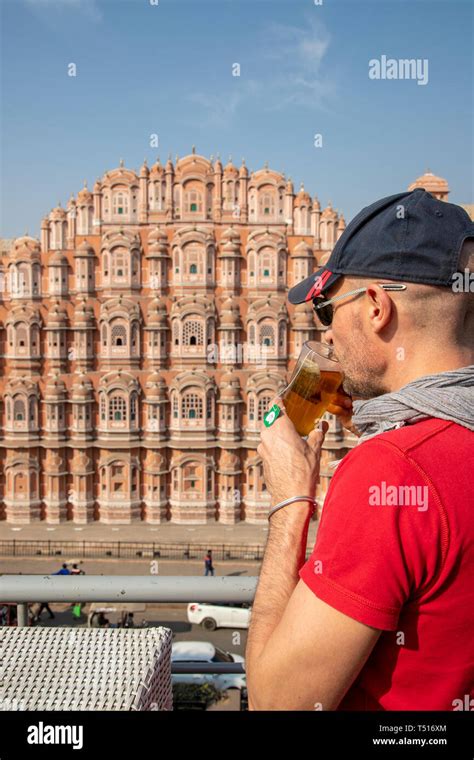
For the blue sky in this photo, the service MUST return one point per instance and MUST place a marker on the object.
(166, 69)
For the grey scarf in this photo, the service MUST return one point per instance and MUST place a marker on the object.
(447, 395)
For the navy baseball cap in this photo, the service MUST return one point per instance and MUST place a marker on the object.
(409, 237)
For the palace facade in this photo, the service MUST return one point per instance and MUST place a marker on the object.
(142, 339)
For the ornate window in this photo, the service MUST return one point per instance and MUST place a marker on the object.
(120, 203)
(267, 204)
(282, 335)
(133, 407)
(120, 263)
(117, 408)
(266, 260)
(192, 201)
(252, 334)
(191, 406)
(119, 335)
(19, 410)
(193, 259)
(193, 333)
(263, 405)
(267, 335)
(251, 407)
(192, 479)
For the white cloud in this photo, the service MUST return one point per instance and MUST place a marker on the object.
(89, 8)
(295, 76)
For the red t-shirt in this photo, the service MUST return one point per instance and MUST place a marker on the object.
(403, 561)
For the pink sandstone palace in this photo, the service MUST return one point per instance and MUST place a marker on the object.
(143, 338)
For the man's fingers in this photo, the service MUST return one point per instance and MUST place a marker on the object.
(316, 437)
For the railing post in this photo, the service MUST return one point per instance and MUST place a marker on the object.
(22, 614)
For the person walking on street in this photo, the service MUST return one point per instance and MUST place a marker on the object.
(77, 607)
(209, 567)
(37, 614)
(64, 570)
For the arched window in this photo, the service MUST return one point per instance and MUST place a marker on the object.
(252, 334)
(23, 280)
(117, 408)
(120, 261)
(22, 336)
(133, 407)
(251, 264)
(263, 406)
(19, 410)
(119, 335)
(175, 406)
(281, 334)
(251, 407)
(135, 337)
(192, 201)
(104, 335)
(194, 259)
(266, 264)
(135, 265)
(193, 333)
(267, 204)
(191, 477)
(267, 335)
(120, 203)
(176, 332)
(191, 406)
(32, 406)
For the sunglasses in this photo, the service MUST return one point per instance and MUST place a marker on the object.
(324, 307)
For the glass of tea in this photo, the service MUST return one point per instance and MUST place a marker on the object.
(314, 384)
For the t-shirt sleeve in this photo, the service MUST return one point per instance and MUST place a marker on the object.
(380, 537)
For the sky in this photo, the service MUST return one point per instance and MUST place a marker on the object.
(165, 68)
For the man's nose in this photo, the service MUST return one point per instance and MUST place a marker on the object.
(327, 337)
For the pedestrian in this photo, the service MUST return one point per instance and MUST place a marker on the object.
(209, 567)
(63, 571)
(39, 610)
(77, 607)
(100, 621)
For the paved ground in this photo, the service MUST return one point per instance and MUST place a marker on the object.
(241, 533)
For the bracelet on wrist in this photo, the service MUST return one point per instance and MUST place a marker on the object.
(284, 503)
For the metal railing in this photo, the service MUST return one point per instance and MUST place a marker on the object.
(129, 550)
(24, 589)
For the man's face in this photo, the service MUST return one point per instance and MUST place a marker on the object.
(355, 344)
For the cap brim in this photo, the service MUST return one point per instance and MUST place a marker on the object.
(319, 282)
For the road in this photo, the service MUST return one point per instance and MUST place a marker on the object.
(171, 616)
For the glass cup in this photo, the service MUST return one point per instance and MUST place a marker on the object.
(316, 380)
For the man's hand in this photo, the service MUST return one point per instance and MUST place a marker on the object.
(342, 408)
(290, 463)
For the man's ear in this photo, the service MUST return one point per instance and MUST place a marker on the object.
(380, 307)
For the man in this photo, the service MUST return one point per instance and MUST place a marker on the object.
(64, 570)
(77, 606)
(380, 617)
(208, 566)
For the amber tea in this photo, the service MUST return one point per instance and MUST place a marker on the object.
(316, 380)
